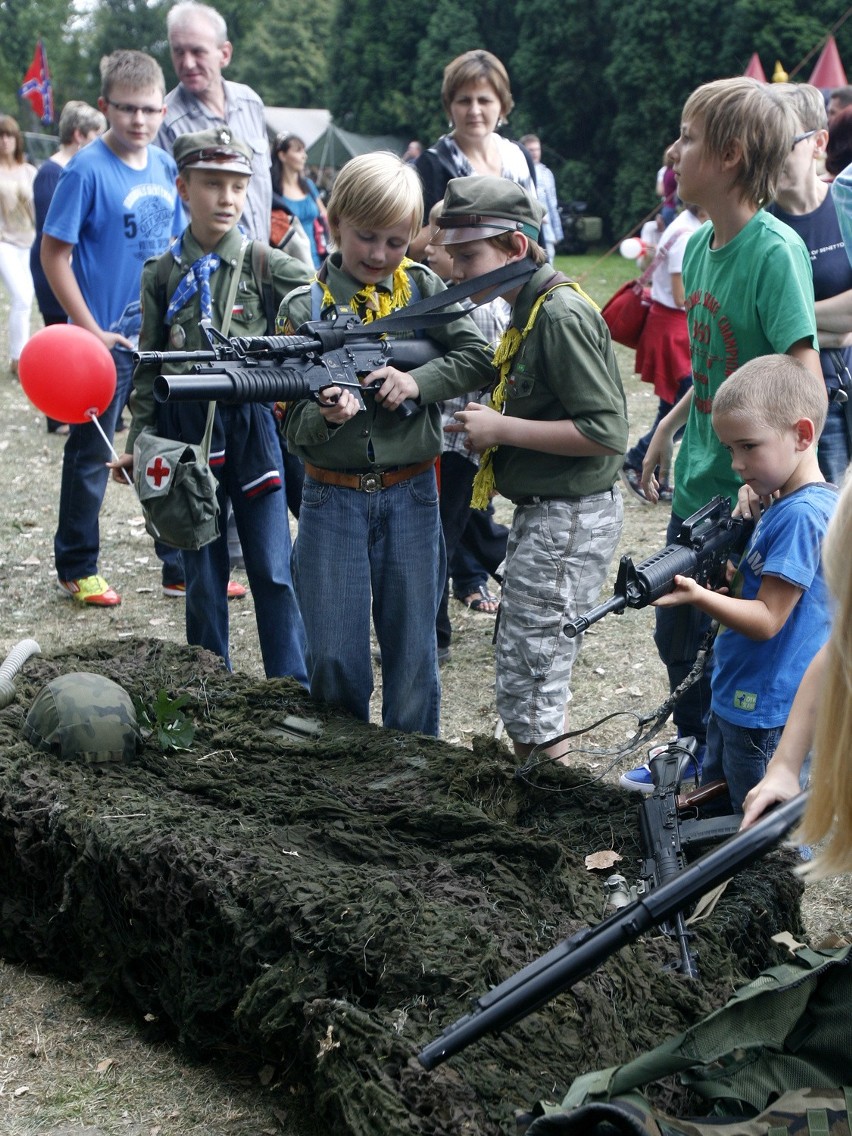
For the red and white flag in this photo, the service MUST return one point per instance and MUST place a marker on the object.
(37, 86)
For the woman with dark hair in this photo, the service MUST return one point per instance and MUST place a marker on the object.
(295, 193)
(838, 148)
(17, 232)
(477, 98)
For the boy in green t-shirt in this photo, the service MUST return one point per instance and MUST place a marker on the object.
(749, 292)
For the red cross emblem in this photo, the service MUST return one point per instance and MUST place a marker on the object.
(158, 473)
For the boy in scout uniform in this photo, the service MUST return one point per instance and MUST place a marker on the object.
(191, 282)
(552, 442)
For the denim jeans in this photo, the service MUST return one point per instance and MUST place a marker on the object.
(76, 544)
(264, 532)
(833, 446)
(738, 755)
(678, 634)
(384, 550)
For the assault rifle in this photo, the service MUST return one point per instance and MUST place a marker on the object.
(285, 368)
(575, 958)
(668, 826)
(701, 549)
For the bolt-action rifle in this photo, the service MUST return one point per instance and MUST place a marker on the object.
(701, 549)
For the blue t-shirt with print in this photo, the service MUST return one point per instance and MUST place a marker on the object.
(754, 682)
(116, 217)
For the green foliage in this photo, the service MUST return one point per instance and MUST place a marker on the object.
(602, 83)
(282, 53)
(166, 719)
(371, 58)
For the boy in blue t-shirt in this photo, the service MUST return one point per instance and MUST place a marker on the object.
(115, 206)
(768, 416)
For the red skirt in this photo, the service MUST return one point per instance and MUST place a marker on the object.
(662, 357)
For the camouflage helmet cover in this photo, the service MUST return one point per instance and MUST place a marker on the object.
(83, 715)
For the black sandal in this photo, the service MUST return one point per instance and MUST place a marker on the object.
(479, 601)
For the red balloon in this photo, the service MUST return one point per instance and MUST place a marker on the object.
(67, 373)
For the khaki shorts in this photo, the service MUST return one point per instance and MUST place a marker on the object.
(558, 555)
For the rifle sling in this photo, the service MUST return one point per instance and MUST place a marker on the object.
(429, 312)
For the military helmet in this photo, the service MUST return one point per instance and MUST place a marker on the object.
(83, 715)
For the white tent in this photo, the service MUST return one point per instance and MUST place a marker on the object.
(309, 123)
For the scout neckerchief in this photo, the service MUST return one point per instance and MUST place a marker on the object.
(375, 303)
(504, 357)
(197, 279)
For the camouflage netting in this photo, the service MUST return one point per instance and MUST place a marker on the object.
(330, 905)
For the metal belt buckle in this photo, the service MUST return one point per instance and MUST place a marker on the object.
(371, 482)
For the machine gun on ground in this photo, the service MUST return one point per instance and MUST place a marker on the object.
(286, 368)
(669, 825)
(581, 954)
(701, 549)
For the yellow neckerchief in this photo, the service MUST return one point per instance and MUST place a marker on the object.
(504, 357)
(375, 303)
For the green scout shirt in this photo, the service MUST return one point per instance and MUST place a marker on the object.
(565, 369)
(247, 318)
(377, 438)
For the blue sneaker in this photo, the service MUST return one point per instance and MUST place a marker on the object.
(639, 780)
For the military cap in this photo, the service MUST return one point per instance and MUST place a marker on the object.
(214, 149)
(83, 716)
(483, 206)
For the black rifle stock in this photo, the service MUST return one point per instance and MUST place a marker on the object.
(575, 958)
(705, 542)
(286, 368)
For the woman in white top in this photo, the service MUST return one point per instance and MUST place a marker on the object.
(17, 233)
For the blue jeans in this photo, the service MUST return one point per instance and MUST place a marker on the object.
(833, 446)
(738, 755)
(384, 550)
(678, 634)
(264, 532)
(84, 480)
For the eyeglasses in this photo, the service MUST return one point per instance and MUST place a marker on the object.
(801, 137)
(129, 109)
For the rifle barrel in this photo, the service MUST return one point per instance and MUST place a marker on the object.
(582, 623)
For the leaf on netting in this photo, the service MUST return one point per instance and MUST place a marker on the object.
(604, 859)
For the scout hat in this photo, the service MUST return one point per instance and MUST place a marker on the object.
(481, 206)
(214, 149)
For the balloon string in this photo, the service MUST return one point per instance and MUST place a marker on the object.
(94, 418)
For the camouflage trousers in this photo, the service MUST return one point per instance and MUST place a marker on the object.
(558, 555)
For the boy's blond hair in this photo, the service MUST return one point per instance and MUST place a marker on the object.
(131, 69)
(376, 191)
(829, 810)
(776, 391)
(808, 105)
(755, 116)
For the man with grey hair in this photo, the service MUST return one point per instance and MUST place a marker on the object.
(200, 50)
